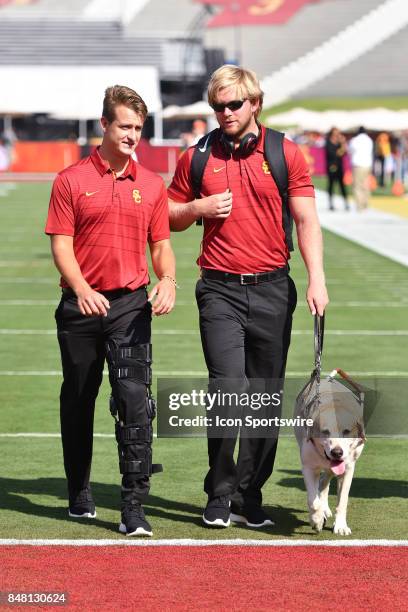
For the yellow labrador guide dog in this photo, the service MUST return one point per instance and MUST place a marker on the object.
(331, 446)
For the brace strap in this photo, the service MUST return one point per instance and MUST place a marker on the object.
(130, 434)
(139, 467)
(138, 351)
(141, 373)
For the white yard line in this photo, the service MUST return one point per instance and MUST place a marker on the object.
(192, 542)
(204, 373)
(37, 434)
(194, 332)
(374, 304)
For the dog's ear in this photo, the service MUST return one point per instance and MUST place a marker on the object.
(361, 433)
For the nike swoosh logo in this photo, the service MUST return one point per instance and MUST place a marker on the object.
(204, 148)
(89, 193)
(218, 169)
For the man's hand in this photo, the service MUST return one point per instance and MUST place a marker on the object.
(91, 303)
(217, 206)
(163, 297)
(317, 297)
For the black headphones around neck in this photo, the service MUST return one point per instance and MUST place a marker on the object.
(246, 146)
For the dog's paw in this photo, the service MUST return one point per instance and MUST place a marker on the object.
(327, 512)
(340, 527)
(317, 520)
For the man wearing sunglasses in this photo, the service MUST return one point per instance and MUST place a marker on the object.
(245, 296)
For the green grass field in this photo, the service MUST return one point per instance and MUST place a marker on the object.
(368, 292)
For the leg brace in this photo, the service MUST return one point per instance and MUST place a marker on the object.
(133, 408)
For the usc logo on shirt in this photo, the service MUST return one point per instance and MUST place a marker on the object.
(265, 167)
(136, 196)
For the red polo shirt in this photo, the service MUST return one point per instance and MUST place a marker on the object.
(110, 219)
(251, 239)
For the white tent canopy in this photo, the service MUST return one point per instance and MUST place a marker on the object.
(372, 119)
(191, 111)
(72, 92)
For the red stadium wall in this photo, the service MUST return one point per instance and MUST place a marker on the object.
(43, 156)
(158, 159)
(54, 156)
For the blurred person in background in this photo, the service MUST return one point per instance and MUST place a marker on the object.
(103, 212)
(198, 130)
(245, 295)
(382, 158)
(335, 150)
(361, 149)
(403, 148)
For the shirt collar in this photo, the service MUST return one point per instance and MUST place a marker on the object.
(103, 167)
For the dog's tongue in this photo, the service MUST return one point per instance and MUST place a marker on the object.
(337, 467)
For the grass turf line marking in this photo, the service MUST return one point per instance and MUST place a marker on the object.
(47, 435)
(53, 435)
(106, 435)
(199, 373)
(403, 304)
(193, 332)
(192, 542)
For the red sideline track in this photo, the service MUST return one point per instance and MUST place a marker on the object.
(216, 577)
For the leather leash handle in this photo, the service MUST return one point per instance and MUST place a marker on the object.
(318, 342)
(344, 375)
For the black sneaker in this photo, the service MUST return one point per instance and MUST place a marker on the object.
(82, 505)
(134, 521)
(217, 512)
(250, 515)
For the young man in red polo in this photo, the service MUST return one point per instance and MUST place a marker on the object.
(245, 296)
(103, 212)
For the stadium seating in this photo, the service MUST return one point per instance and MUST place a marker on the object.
(380, 71)
(351, 43)
(269, 48)
(165, 19)
(66, 42)
(65, 33)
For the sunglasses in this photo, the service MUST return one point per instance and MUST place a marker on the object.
(234, 105)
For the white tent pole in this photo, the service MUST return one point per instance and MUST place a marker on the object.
(158, 125)
(8, 124)
(82, 132)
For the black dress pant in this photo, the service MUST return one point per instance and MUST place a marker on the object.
(333, 178)
(84, 343)
(245, 333)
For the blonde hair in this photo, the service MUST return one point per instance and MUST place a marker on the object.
(245, 82)
(119, 94)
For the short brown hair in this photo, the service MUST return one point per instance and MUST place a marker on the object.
(119, 94)
(245, 81)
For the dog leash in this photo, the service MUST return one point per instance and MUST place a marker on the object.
(318, 344)
(318, 348)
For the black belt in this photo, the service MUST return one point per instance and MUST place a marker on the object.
(110, 295)
(245, 279)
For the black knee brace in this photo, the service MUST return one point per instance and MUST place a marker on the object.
(133, 408)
